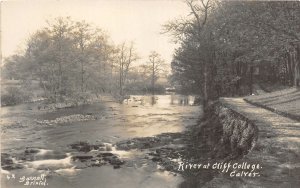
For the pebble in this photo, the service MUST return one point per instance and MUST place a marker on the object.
(67, 119)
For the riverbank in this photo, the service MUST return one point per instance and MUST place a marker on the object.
(276, 150)
(221, 136)
(235, 144)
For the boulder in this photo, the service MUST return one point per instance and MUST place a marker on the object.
(82, 157)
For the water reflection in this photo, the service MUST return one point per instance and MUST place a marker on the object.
(144, 100)
(153, 101)
(182, 100)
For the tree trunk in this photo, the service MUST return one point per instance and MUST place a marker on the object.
(153, 75)
(251, 80)
(297, 67)
(205, 90)
(285, 72)
(82, 77)
(290, 72)
(121, 85)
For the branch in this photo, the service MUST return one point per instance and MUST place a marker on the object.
(190, 4)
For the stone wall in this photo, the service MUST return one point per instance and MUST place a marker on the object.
(228, 133)
(239, 134)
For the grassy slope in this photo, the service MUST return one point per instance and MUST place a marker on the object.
(285, 102)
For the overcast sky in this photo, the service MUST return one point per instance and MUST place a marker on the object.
(124, 20)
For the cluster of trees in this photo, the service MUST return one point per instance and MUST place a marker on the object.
(67, 58)
(223, 43)
(74, 60)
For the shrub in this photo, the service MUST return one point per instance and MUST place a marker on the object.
(13, 95)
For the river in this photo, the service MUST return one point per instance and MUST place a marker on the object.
(139, 116)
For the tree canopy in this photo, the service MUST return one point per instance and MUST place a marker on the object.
(222, 42)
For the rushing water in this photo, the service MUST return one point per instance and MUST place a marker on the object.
(139, 116)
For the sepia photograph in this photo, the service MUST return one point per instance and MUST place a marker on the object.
(150, 93)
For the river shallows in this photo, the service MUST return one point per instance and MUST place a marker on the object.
(140, 116)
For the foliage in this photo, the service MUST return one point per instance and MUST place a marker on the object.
(69, 60)
(72, 61)
(13, 95)
(221, 42)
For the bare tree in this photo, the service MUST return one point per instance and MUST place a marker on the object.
(157, 65)
(194, 26)
(127, 55)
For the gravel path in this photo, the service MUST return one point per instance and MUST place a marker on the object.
(286, 130)
(277, 150)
